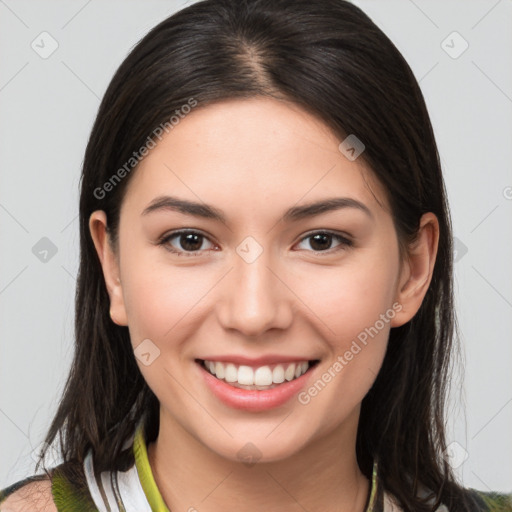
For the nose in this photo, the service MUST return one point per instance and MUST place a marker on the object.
(255, 298)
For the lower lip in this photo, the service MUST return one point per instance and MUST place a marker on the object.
(254, 400)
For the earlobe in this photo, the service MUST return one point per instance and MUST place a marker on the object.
(110, 266)
(417, 270)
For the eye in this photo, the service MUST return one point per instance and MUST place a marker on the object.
(191, 243)
(188, 242)
(320, 241)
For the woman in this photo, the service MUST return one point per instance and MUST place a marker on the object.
(264, 312)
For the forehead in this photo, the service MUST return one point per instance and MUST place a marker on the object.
(251, 153)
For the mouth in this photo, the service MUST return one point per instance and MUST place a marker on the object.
(257, 378)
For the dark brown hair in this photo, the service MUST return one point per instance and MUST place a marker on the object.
(328, 57)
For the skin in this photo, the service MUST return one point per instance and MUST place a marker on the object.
(35, 496)
(253, 159)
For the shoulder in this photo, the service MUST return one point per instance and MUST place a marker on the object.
(494, 501)
(471, 500)
(30, 495)
(64, 487)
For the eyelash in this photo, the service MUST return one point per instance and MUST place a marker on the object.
(345, 243)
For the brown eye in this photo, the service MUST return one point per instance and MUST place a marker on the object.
(321, 241)
(189, 243)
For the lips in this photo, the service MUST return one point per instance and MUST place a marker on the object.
(253, 397)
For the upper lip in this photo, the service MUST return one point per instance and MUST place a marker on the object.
(258, 361)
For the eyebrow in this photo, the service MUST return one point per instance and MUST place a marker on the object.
(295, 213)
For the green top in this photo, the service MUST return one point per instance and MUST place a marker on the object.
(79, 490)
(147, 481)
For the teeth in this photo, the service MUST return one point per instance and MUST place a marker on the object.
(278, 374)
(231, 374)
(289, 373)
(219, 370)
(245, 375)
(263, 376)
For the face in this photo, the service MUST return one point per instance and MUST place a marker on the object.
(253, 282)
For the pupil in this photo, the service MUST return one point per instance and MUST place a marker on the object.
(316, 238)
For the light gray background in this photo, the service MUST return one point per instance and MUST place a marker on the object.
(47, 108)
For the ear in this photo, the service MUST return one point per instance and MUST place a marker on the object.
(417, 270)
(110, 265)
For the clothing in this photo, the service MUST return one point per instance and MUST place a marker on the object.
(135, 490)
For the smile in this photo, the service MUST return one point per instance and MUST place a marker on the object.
(259, 378)
(255, 388)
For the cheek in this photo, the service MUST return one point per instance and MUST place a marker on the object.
(351, 297)
(354, 304)
(159, 295)
(357, 338)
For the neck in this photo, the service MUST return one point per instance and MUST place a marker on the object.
(323, 476)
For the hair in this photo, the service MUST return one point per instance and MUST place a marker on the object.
(329, 58)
